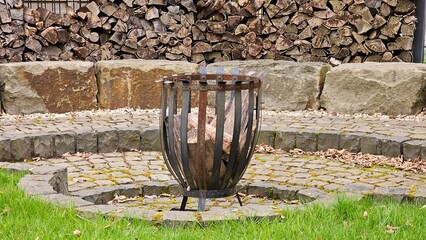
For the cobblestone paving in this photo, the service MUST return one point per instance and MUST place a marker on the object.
(314, 178)
(76, 123)
(109, 169)
(107, 131)
(94, 174)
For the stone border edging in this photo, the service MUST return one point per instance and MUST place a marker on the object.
(49, 183)
(54, 144)
(311, 140)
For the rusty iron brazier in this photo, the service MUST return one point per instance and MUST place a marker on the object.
(209, 125)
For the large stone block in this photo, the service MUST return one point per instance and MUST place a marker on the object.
(59, 181)
(150, 139)
(128, 139)
(21, 148)
(107, 140)
(64, 143)
(286, 85)
(43, 146)
(392, 146)
(389, 88)
(398, 194)
(350, 141)
(328, 140)
(267, 136)
(307, 140)
(130, 83)
(412, 149)
(4, 149)
(41, 87)
(285, 138)
(86, 140)
(372, 143)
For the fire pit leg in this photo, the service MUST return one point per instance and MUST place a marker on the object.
(202, 202)
(239, 199)
(183, 205)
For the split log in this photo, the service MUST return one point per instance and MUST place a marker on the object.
(109, 8)
(50, 34)
(375, 45)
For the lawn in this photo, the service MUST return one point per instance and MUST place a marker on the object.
(22, 217)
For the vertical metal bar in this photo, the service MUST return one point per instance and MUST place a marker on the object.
(242, 165)
(258, 120)
(186, 98)
(172, 166)
(172, 156)
(220, 120)
(419, 35)
(201, 133)
(230, 167)
(219, 78)
(189, 79)
(235, 72)
(174, 77)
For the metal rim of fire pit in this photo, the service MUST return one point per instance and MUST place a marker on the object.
(202, 83)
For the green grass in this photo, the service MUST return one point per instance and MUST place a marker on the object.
(27, 218)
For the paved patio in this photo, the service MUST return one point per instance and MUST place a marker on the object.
(90, 180)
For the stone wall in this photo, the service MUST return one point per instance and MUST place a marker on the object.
(61, 86)
(211, 31)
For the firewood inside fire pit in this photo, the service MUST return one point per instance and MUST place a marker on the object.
(210, 139)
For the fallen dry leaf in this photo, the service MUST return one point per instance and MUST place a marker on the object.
(151, 196)
(198, 216)
(121, 199)
(391, 229)
(263, 148)
(5, 210)
(67, 154)
(365, 160)
(291, 201)
(167, 195)
(77, 233)
(345, 224)
(365, 215)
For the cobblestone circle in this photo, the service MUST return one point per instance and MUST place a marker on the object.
(62, 175)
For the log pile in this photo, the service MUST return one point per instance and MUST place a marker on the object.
(317, 30)
(207, 31)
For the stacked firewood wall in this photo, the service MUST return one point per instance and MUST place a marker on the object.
(212, 30)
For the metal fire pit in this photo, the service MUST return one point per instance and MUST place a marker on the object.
(211, 165)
